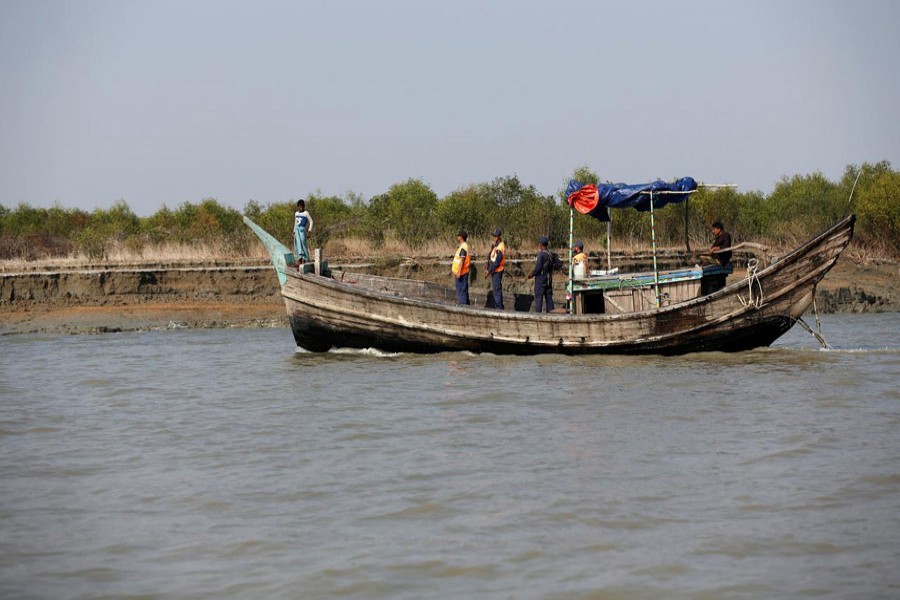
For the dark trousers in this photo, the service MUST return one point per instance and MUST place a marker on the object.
(497, 289)
(462, 290)
(543, 290)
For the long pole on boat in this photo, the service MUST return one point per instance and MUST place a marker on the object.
(609, 244)
(653, 239)
(653, 231)
(570, 297)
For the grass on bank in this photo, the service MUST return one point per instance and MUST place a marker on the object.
(345, 250)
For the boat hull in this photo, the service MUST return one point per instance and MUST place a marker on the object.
(312, 336)
(375, 313)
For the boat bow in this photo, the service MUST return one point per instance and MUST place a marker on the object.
(281, 255)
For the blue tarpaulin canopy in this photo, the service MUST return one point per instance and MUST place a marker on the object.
(595, 200)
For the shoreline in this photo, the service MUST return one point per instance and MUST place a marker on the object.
(224, 294)
(140, 317)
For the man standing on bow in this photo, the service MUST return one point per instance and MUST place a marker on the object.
(303, 225)
(495, 268)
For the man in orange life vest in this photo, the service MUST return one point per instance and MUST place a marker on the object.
(495, 268)
(460, 268)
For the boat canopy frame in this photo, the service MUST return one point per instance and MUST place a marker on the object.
(655, 189)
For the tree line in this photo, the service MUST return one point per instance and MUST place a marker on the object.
(797, 208)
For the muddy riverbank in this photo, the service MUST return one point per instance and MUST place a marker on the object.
(107, 298)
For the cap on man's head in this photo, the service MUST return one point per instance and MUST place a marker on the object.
(579, 244)
(543, 241)
(497, 232)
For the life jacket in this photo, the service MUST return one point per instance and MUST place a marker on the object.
(579, 265)
(461, 263)
(501, 247)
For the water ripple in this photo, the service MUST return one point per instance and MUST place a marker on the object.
(223, 464)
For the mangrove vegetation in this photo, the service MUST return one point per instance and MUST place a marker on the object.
(411, 215)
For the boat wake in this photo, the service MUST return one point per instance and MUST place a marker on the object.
(881, 350)
(362, 352)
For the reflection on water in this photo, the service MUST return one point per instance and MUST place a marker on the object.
(224, 464)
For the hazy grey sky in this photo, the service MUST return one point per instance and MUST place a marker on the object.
(162, 102)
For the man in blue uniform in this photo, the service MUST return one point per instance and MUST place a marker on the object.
(543, 278)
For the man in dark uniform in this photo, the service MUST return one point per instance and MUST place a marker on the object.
(722, 241)
(543, 278)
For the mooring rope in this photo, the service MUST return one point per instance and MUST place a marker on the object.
(752, 278)
(818, 336)
(816, 312)
(818, 333)
(752, 266)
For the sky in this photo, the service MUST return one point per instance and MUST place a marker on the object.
(165, 102)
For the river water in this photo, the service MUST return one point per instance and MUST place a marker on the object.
(226, 464)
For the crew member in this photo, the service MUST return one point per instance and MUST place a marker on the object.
(460, 268)
(543, 277)
(495, 267)
(579, 261)
(722, 241)
(303, 225)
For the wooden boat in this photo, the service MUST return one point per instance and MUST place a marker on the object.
(704, 314)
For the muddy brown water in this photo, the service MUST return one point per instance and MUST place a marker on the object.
(222, 463)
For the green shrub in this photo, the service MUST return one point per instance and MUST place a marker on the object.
(406, 211)
(331, 217)
(878, 208)
(798, 208)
